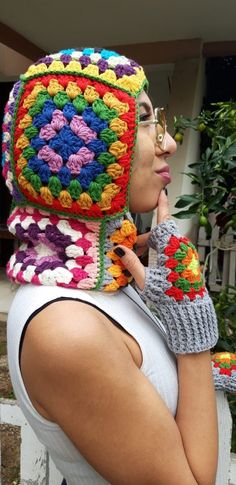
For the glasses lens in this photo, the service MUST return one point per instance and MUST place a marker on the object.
(161, 127)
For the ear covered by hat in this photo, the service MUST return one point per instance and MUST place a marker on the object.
(69, 134)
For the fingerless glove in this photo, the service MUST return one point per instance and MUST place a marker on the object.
(176, 288)
(224, 371)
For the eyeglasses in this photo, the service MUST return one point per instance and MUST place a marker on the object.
(160, 125)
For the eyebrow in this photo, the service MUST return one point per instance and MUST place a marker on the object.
(145, 105)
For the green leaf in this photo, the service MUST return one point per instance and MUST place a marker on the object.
(184, 214)
(185, 200)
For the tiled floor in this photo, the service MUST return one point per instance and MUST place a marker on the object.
(7, 292)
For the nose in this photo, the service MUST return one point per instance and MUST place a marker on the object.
(170, 144)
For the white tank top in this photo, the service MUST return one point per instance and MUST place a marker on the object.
(128, 310)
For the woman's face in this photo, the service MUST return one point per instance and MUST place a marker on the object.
(150, 172)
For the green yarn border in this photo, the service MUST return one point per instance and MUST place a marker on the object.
(102, 239)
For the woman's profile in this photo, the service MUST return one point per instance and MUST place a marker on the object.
(107, 387)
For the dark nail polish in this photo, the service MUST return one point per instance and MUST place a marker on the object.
(119, 252)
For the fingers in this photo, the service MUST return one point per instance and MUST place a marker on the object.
(142, 243)
(132, 264)
(163, 211)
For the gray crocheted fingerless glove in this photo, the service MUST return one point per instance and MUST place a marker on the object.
(177, 289)
(224, 371)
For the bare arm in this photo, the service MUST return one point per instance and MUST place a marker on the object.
(89, 384)
(196, 415)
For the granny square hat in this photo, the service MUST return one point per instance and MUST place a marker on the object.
(69, 133)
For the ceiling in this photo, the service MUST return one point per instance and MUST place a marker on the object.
(53, 24)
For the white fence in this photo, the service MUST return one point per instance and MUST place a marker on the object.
(36, 467)
(219, 258)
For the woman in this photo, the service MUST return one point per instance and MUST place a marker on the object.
(114, 394)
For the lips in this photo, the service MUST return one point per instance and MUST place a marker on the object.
(165, 169)
(164, 173)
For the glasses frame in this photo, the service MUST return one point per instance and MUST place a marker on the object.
(159, 119)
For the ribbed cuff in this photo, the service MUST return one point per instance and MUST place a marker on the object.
(191, 327)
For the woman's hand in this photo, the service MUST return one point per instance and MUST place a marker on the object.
(163, 213)
(175, 286)
(129, 258)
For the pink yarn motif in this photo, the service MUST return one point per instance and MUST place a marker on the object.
(47, 132)
(54, 160)
(82, 157)
(79, 127)
(58, 120)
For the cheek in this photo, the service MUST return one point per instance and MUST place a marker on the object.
(144, 153)
(144, 185)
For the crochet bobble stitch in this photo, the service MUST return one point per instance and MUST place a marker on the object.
(69, 133)
(225, 363)
(66, 252)
(185, 277)
(68, 141)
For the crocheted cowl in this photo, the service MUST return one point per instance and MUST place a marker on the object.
(69, 134)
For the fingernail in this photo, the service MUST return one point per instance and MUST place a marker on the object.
(119, 252)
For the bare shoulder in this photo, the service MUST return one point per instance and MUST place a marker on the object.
(68, 333)
(84, 379)
(67, 340)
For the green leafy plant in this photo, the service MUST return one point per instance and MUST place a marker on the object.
(225, 306)
(214, 174)
(214, 177)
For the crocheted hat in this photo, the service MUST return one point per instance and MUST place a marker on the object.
(69, 134)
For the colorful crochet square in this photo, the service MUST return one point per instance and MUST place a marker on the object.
(68, 252)
(65, 252)
(225, 362)
(69, 133)
(185, 276)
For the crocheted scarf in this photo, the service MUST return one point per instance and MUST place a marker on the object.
(69, 134)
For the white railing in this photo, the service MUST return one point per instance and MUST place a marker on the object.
(218, 255)
(36, 467)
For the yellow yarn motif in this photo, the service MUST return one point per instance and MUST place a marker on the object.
(90, 94)
(21, 163)
(85, 201)
(118, 126)
(73, 66)
(91, 70)
(26, 185)
(46, 195)
(72, 90)
(118, 149)
(115, 270)
(109, 76)
(107, 195)
(115, 170)
(32, 70)
(112, 102)
(22, 142)
(65, 199)
(56, 66)
(54, 87)
(25, 122)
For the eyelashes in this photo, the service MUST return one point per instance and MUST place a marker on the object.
(145, 116)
